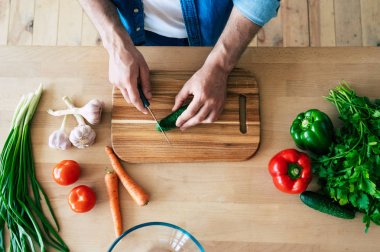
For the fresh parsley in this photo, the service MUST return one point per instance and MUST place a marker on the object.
(350, 172)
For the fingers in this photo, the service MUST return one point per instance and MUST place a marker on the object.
(198, 118)
(212, 116)
(180, 98)
(145, 81)
(124, 73)
(128, 89)
(190, 112)
(207, 114)
(125, 94)
(134, 97)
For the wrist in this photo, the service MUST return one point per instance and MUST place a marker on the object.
(115, 39)
(220, 61)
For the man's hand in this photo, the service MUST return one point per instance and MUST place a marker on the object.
(208, 84)
(208, 87)
(127, 68)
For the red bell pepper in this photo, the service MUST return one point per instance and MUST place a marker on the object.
(291, 171)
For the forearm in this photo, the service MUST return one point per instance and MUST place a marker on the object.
(127, 66)
(235, 38)
(103, 14)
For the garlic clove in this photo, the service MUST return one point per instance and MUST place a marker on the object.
(82, 136)
(92, 111)
(59, 140)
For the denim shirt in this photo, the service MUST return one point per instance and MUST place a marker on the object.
(204, 19)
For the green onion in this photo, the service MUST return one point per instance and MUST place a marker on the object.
(21, 193)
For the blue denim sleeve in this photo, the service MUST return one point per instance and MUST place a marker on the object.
(258, 11)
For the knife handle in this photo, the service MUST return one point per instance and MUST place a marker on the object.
(142, 96)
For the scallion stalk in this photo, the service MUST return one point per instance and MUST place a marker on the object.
(21, 193)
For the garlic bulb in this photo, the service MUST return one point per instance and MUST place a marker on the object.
(82, 136)
(59, 139)
(92, 111)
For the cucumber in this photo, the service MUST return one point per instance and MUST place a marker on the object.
(168, 123)
(326, 205)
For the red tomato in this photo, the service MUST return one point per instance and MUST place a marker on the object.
(82, 199)
(66, 172)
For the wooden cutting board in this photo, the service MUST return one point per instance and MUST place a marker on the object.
(135, 139)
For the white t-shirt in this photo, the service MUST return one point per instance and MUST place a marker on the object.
(165, 18)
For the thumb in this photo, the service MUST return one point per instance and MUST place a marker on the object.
(180, 98)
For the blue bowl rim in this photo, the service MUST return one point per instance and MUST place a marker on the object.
(156, 223)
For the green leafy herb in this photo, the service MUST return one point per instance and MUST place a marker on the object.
(21, 194)
(350, 172)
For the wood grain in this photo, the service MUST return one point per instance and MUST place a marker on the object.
(70, 23)
(348, 23)
(370, 14)
(321, 23)
(21, 22)
(227, 206)
(90, 36)
(299, 23)
(135, 139)
(271, 34)
(45, 29)
(295, 23)
(4, 21)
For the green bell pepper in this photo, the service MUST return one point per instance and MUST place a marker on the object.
(313, 131)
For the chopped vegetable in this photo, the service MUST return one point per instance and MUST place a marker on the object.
(82, 199)
(20, 200)
(137, 192)
(168, 123)
(326, 205)
(112, 184)
(92, 111)
(291, 171)
(350, 172)
(59, 139)
(313, 131)
(82, 136)
(66, 172)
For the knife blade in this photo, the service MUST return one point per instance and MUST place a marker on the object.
(146, 105)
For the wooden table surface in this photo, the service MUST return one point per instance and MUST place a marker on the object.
(227, 206)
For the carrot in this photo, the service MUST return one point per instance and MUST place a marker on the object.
(112, 184)
(137, 192)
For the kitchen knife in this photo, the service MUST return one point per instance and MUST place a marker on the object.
(146, 105)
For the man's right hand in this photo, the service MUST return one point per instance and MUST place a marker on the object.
(127, 68)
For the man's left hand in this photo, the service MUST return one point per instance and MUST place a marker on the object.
(208, 88)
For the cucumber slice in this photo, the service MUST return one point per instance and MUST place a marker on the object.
(326, 205)
(168, 123)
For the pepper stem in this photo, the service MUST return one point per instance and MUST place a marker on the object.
(305, 123)
(294, 171)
